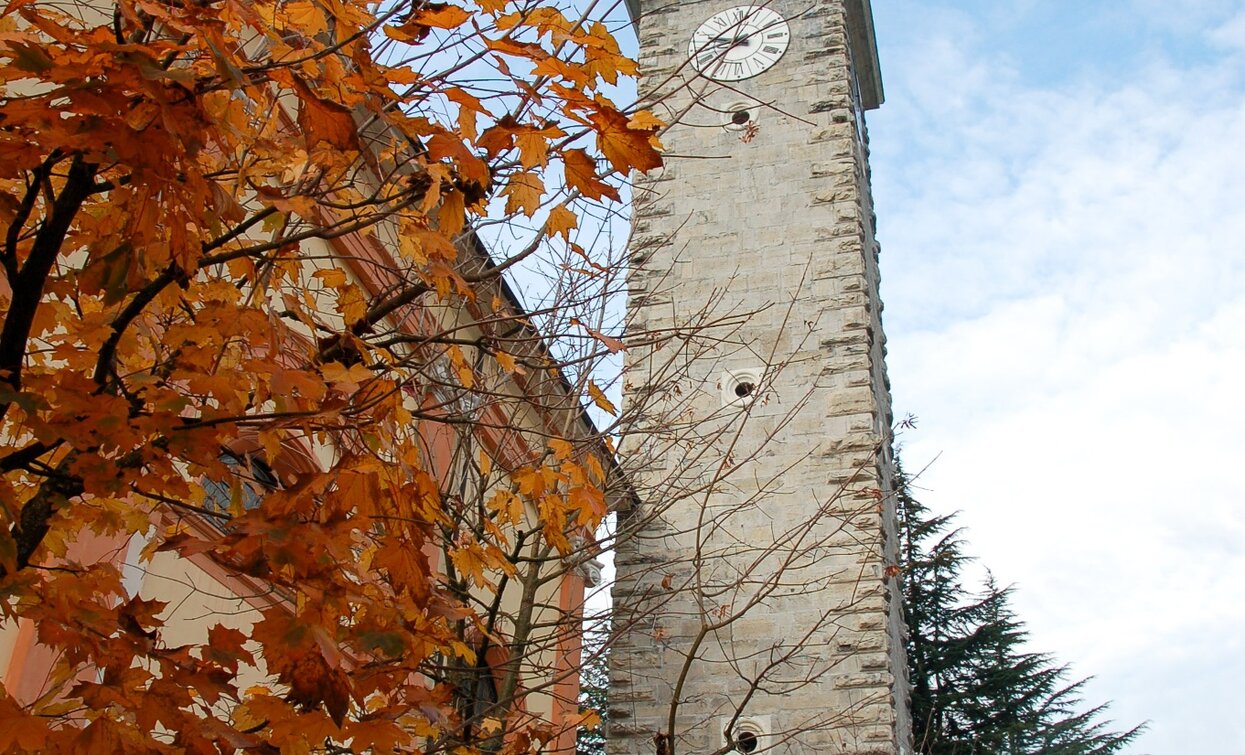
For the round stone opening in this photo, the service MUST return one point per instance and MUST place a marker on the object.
(740, 117)
(746, 741)
(744, 389)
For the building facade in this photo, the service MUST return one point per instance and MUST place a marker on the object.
(757, 603)
(507, 421)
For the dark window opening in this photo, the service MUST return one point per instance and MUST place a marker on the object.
(744, 389)
(740, 117)
(478, 701)
(746, 741)
(484, 700)
(251, 478)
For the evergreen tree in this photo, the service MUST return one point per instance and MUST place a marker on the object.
(594, 681)
(975, 690)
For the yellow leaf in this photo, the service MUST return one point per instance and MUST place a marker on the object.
(470, 562)
(271, 441)
(352, 304)
(589, 501)
(452, 215)
(332, 277)
(508, 363)
(562, 450)
(442, 16)
(463, 650)
(490, 725)
(344, 378)
(533, 148)
(523, 193)
(598, 398)
(507, 506)
(304, 17)
(594, 467)
(645, 121)
(561, 221)
(421, 244)
(590, 720)
(466, 375)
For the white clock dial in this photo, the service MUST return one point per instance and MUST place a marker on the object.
(739, 43)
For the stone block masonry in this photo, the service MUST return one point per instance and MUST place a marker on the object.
(753, 593)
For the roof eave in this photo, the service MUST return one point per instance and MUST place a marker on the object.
(864, 52)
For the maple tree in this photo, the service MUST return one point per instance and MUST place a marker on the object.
(249, 324)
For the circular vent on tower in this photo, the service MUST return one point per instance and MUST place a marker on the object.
(740, 115)
(740, 387)
(747, 741)
(748, 734)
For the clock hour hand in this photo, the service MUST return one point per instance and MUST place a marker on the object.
(736, 40)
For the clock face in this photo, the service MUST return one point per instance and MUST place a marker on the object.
(739, 43)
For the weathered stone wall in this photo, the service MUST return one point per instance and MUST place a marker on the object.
(752, 577)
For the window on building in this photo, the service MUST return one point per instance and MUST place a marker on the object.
(478, 700)
(250, 479)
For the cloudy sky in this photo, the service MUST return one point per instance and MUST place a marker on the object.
(1061, 198)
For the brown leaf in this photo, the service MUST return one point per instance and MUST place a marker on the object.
(627, 147)
(581, 174)
(321, 119)
(613, 344)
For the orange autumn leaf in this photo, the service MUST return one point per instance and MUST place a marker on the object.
(533, 147)
(561, 222)
(472, 562)
(581, 175)
(507, 506)
(627, 147)
(321, 119)
(20, 731)
(614, 345)
(272, 325)
(426, 17)
(508, 363)
(440, 16)
(452, 214)
(523, 193)
(644, 120)
(598, 398)
(305, 17)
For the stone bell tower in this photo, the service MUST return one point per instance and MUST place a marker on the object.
(757, 601)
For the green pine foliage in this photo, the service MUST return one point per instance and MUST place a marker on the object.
(594, 680)
(976, 690)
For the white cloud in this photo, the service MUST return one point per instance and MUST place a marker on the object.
(1064, 271)
(1231, 34)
